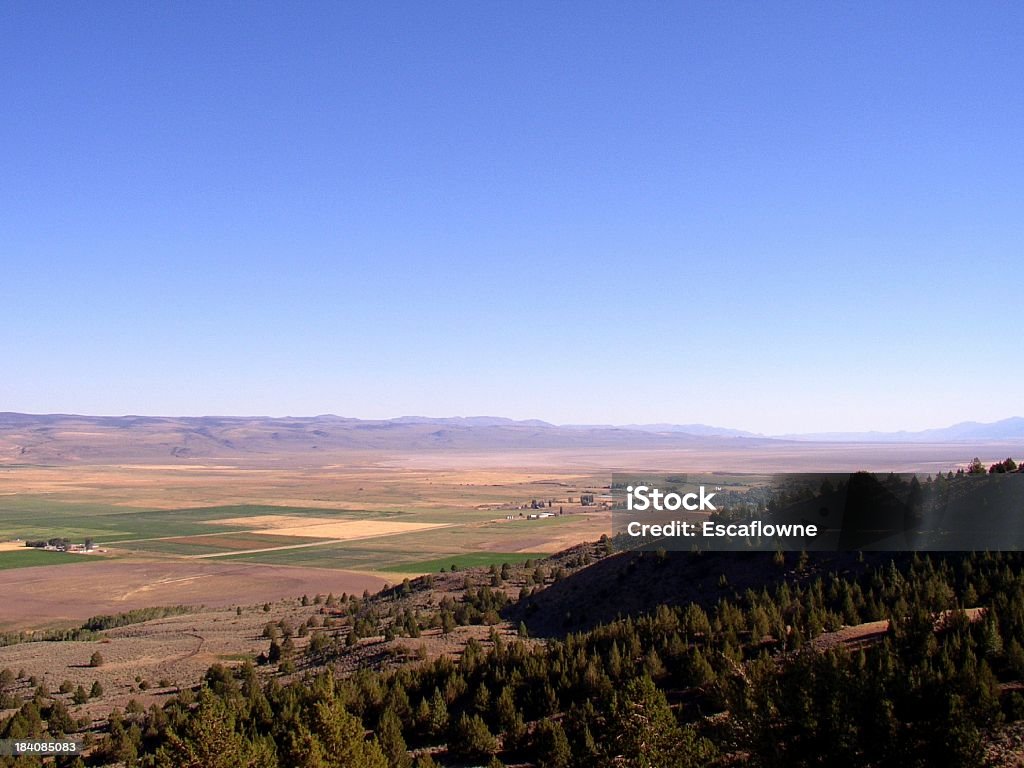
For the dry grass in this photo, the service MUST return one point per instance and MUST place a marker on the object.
(69, 594)
(177, 649)
(324, 528)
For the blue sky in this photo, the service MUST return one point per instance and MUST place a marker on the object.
(775, 216)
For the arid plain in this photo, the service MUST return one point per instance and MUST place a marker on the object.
(222, 534)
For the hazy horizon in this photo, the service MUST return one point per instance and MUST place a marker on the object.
(498, 417)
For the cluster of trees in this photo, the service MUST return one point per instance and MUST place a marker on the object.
(46, 635)
(741, 678)
(88, 631)
(135, 616)
(348, 619)
(922, 696)
(54, 542)
(639, 691)
(999, 468)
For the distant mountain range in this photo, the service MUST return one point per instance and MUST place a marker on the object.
(1006, 429)
(965, 431)
(471, 421)
(63, 438)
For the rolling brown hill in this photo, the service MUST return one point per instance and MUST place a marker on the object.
(633, 583)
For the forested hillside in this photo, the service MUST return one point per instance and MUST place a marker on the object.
(753, 679)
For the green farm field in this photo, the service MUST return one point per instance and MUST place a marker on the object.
(213, 535)
(364, 517)
(423, 551)
(36, 557)
(33, 518)
(250, 529)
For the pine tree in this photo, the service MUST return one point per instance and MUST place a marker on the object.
(438, 713)
(645, 734)
(423, 714)
(341, 735)
(550, 745)
(58, 721)
(389, 732)
(505, 709)
(700, 672)
(303, 749)
(1015, 657)
(615, 661)
(472, 739)
(481, 699)
(208, 740)
(992, 642)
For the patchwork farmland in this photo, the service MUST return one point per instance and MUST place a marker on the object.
(250, 527)
(224, 537)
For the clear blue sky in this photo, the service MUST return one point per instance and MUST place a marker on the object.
(772, 216)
